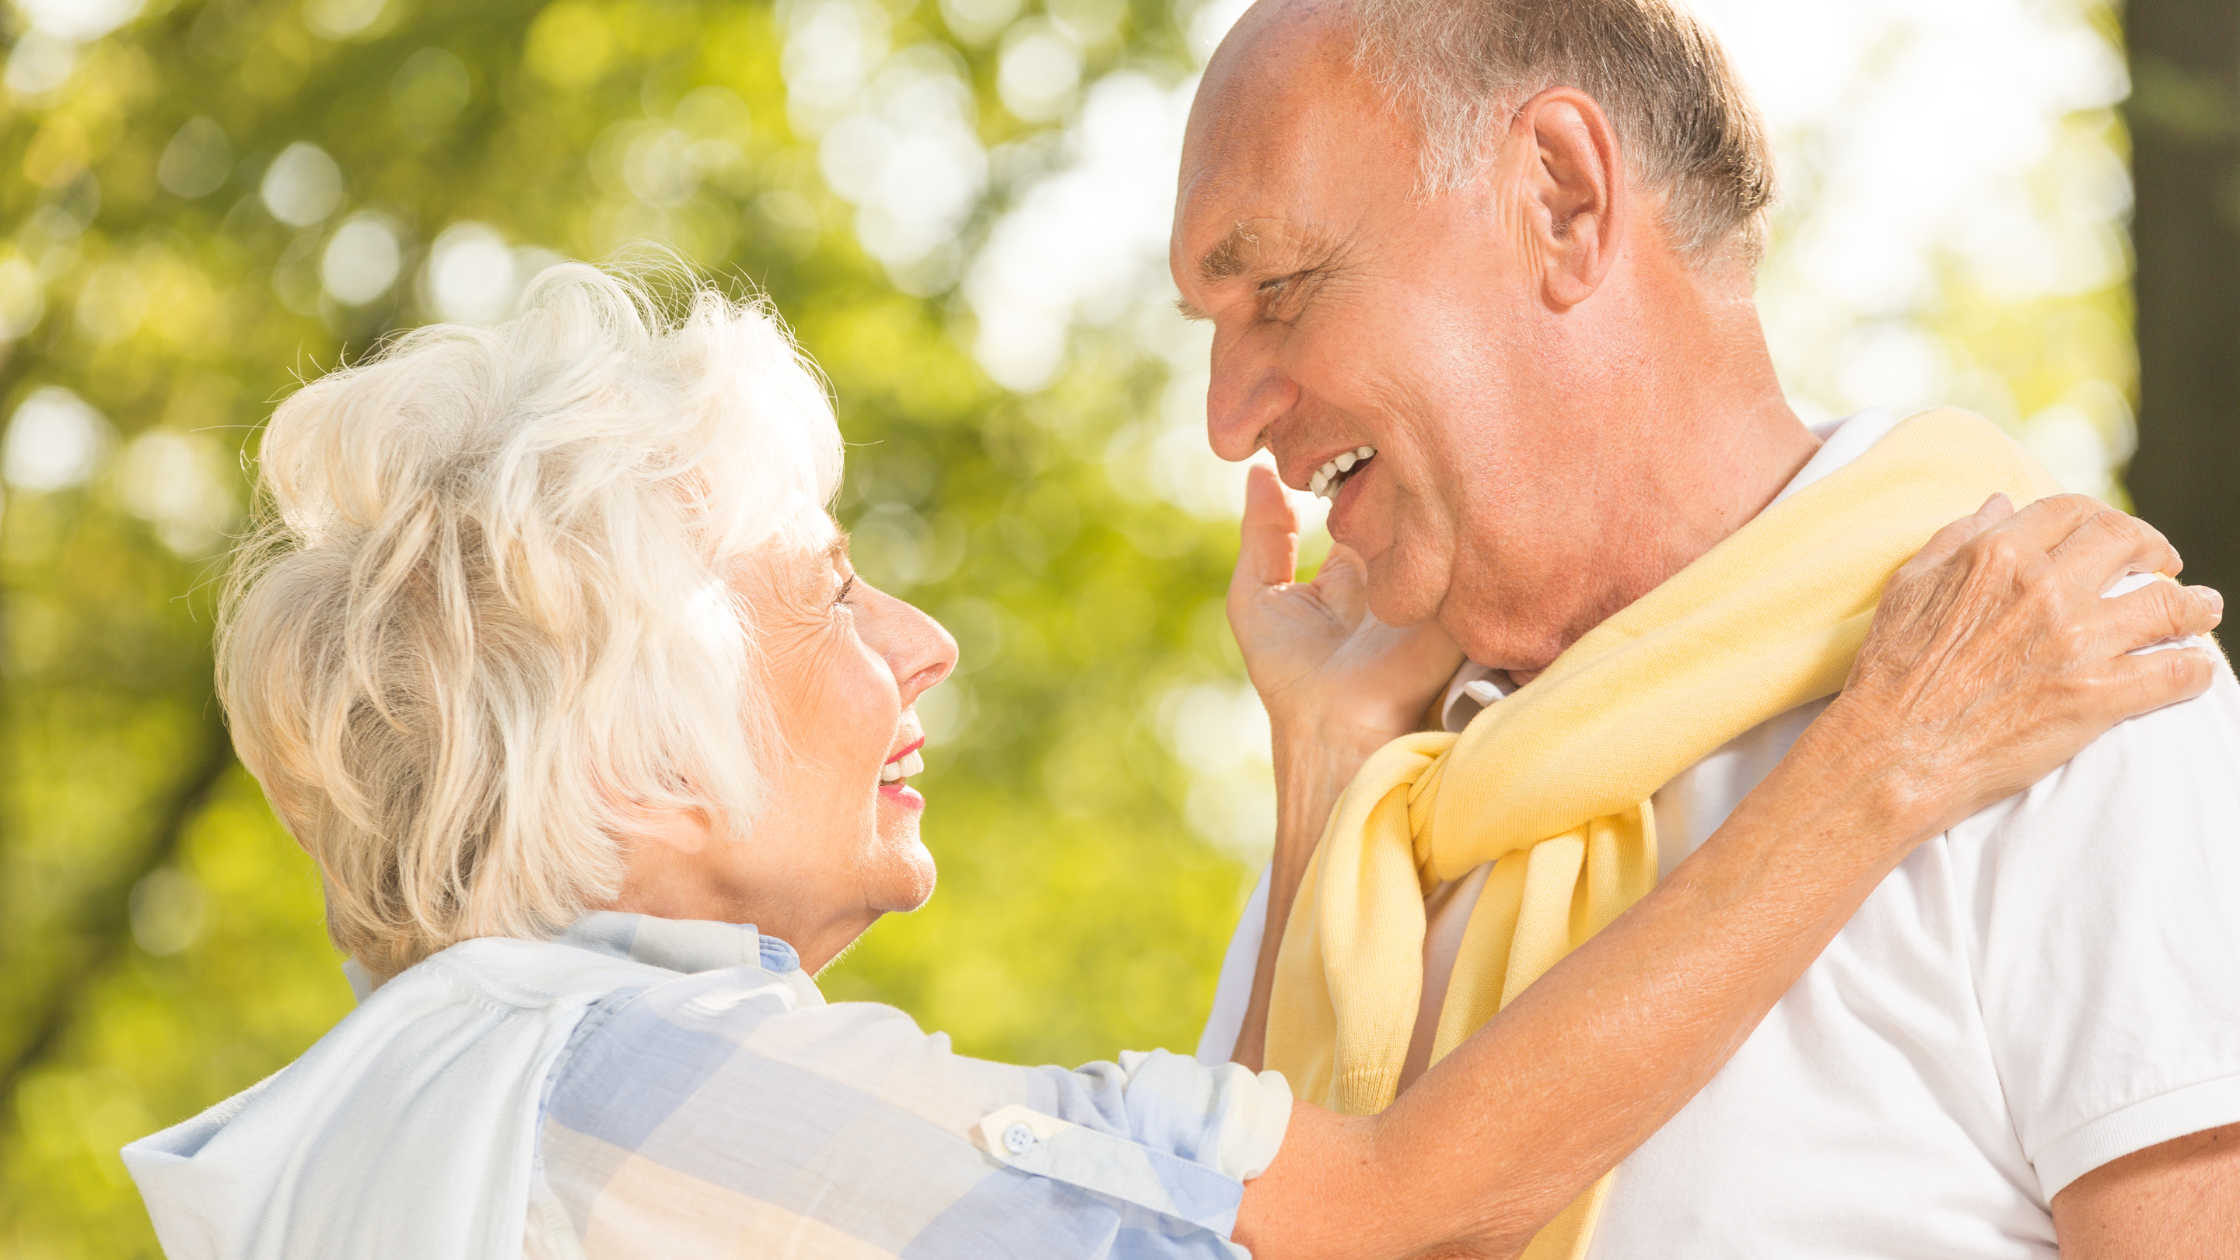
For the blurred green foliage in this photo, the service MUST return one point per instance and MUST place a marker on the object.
(221, 198)
(160, 936)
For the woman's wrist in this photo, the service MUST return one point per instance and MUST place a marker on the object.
(1857, 766)
(1313, 764)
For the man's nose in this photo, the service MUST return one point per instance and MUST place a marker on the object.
(1247, 394)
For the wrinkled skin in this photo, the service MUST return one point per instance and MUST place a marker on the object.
(832, 848)
(1566, 413)
(1992, 659)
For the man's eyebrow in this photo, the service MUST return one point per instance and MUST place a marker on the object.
(1243, 249)
(1230, 257)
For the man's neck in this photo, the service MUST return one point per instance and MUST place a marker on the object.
(1696, 439)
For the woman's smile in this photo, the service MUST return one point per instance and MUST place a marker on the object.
(894, 776)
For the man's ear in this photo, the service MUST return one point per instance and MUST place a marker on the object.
(1574, 191)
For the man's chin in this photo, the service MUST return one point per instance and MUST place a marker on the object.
(1399, 595)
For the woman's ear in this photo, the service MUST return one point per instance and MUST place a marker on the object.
(1574, 189)
(665, 862)
(679, 830)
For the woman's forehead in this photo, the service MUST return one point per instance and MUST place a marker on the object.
(807, 537)
(808, 549)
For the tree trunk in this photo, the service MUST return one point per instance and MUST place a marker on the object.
(2184, 115)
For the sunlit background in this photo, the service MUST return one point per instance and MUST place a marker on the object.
(962, 208)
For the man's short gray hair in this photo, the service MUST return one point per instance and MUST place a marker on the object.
(1686, 124)
(483, 613)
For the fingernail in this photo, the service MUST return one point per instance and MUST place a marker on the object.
(2216, 600)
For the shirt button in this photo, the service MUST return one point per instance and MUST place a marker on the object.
(1018, 1138)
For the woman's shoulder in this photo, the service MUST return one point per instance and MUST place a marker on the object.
(510, 971)
(424, 1095)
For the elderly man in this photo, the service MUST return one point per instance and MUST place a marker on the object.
(1480, 271)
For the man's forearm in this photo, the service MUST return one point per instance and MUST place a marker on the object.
(1495, 1140)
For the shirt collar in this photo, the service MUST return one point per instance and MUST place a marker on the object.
(683, 945)
(687, 946)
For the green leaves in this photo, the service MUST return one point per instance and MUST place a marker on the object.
(220, 200)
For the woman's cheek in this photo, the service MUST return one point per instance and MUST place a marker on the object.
(834, 695)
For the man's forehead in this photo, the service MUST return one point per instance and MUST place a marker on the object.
(1273, 126)
(1250, 193)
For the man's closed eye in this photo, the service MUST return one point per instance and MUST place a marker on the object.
(1281, 298)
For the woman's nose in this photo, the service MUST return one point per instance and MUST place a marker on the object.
(915, 646)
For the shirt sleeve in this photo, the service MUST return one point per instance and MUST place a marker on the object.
(2109, 946)
(1233, 992)
(709, 1113)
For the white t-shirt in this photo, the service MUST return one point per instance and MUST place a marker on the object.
(2050, 985)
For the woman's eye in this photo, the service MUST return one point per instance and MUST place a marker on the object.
(847, 588)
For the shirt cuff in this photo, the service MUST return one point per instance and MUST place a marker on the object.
(1254, 1114)
(1250, 1140)
(2149, 1122)
(1029, 1141)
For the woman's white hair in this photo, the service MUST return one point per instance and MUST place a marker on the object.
(482, 612)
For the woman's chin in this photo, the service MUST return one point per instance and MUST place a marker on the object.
(906, 872)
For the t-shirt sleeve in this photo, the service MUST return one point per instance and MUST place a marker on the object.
(2109, 940)
(708, 1110)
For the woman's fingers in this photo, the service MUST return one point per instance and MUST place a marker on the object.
(2108, 544)
(2041, 526)
(1995, 651)
(2156, 613)
(1343, 581)
(1268, 546)
(1946, 542)
(2150, 680)
(1342, 556)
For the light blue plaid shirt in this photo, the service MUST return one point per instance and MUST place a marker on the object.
(731, 1112)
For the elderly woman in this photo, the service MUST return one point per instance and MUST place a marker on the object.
(547, 650)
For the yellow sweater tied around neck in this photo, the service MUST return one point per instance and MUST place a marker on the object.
(1553, 784)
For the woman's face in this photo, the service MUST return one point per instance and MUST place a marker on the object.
(836, 842)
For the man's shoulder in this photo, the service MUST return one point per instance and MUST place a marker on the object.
(2096, 907)
(2134, 835)
(2183, 757)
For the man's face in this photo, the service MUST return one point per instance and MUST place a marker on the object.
(1351, 312)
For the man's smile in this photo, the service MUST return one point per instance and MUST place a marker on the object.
(1337, 470)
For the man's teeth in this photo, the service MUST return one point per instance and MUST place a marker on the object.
(1327, 478)
(907, 764)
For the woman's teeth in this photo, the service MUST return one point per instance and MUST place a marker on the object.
(907, 764)
(1330, 476)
